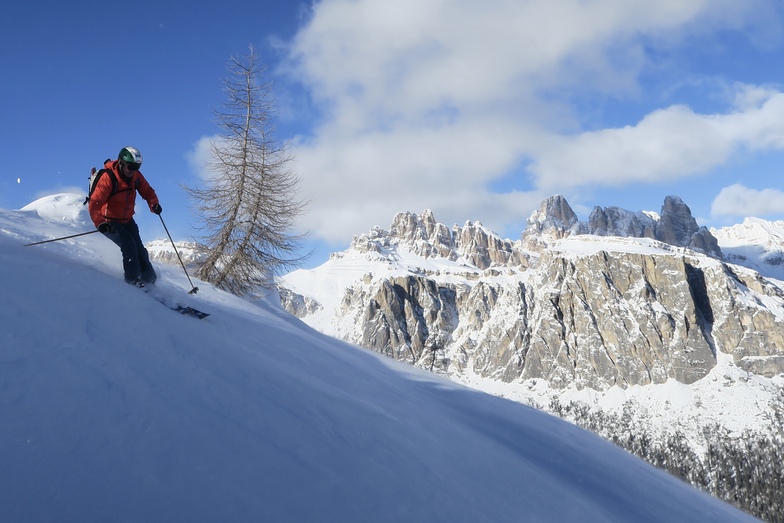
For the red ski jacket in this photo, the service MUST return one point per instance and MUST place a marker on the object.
(108, 203)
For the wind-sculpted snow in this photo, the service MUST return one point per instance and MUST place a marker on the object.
(114, 408)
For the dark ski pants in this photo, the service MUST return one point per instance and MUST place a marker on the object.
(136, 260)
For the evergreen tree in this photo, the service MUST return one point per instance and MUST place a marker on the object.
(247, 204)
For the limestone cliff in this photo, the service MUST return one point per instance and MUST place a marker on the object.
(627, 299)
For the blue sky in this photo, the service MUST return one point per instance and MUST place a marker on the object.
(476, 110)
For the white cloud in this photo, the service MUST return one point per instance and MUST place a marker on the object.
(379, 174)
(738, 200)
(200, 155)
(667, 144)
(429, 103)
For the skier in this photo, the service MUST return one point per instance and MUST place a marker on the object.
(111, 207)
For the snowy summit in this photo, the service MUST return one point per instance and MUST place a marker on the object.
(115, 408)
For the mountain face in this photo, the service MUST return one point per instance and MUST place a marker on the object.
(422, 236)
(650, 301)
(674, 226)
(162, 251)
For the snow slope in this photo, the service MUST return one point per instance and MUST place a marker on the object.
(113, 408)
(755, 243)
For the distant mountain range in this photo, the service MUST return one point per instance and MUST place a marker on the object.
(628, 298)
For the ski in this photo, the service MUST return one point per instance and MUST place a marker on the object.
(190, 311)
(182, 309)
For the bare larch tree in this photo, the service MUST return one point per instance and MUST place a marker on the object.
(247, 203)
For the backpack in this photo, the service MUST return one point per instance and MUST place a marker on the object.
(95, 176)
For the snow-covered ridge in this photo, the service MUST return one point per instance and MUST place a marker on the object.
(67, 207)
(755, 243)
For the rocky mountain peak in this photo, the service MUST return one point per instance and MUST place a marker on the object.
(555, 219)
(423, 235)
(614, 221)
(677, 226)
(484, 249)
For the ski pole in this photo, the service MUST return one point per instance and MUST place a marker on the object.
(63, 238)
(195, 289)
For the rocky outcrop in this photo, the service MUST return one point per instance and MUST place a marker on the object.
(554, 220)
(604, 320)
(746, 323)
(593, 320)
(423, 236)
(407, 318)
(678, 227)
(296, 304)
(675, 225)
(614, 221)
(192, 254)
(484, 249)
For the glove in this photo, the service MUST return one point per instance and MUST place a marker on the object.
(156, 208)
(105, 228)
